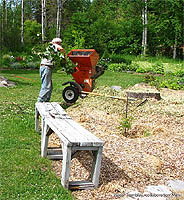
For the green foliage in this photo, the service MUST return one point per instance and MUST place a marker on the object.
(17, 65)
(180, 73)
(158, 68)
(147, 133)
(126, 122)
(7, 59)
(32, 32)
(67, 66)
(107, 25)
(166, 81)
(133, 66)
(104, 62)
(38, 50)
(24, 65)
(165, 25)
(141, 70)
(58, 59)
(119, 58)
(171, 84)
(149, 78)
(117, 67)
(20, 61)
(78, 39)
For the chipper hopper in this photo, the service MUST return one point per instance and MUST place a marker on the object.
(84, 75)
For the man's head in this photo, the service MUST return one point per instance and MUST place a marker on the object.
(56, 41)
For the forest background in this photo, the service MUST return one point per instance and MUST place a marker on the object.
(133, 27)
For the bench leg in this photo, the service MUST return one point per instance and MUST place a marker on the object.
(96, 166)
(44, 139)
(37, 120)
(66, 166)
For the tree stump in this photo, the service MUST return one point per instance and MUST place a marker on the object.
(142, 95)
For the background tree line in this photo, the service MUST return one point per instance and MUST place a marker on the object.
(152, 27)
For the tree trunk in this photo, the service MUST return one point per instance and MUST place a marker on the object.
(174, 48)
(43, 19)
(58, 30)
(144, 23)
(22, 23)
(3, 16)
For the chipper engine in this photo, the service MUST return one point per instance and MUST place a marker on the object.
(84, 75)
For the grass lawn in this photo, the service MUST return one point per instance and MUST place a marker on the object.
(24, 174)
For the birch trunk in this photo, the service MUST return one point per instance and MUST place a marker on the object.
(6, 15)
(144, 33)
(43, 19)
(12, 5)
(58, 29)
(175, 47)
(3, 15)
(22, 23)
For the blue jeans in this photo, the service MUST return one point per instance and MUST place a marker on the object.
(46, 84)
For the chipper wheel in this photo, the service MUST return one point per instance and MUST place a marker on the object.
(70, 94)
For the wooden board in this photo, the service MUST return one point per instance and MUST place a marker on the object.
(69, 131)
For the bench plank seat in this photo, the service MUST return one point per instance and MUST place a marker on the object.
(73, 138)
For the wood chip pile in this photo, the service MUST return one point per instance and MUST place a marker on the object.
(151, 153)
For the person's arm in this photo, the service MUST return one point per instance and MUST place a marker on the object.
(61, 49)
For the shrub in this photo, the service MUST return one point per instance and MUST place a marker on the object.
(32, 32)
(103, 62)
(168, 81)
(16, 65)
(169, 73)
(118, 58)
(141, 70)
(33, 65)
(7, 59)
(180, 73)
(117, 67)
(149, 78)
(158, 68)
(133, 66)
(171, 84)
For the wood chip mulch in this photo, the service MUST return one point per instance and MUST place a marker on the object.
(150, 153)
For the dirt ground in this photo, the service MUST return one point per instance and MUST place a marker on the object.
(151, 152)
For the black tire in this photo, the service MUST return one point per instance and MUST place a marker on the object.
(70, 94)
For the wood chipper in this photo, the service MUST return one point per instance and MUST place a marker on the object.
(84, 75)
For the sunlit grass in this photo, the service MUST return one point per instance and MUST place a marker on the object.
(24, 174)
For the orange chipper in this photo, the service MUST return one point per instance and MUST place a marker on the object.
(84, 75)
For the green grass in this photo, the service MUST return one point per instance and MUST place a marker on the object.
(23, 173)
(154, 59)
(120, 79)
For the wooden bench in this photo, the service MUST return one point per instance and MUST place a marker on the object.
(74, 138)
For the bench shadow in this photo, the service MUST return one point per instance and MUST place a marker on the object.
(109, 170)
(21, 82)
(66, 105)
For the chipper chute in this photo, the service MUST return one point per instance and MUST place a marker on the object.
(84, 75)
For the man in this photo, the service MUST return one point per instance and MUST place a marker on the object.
(46, 66)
